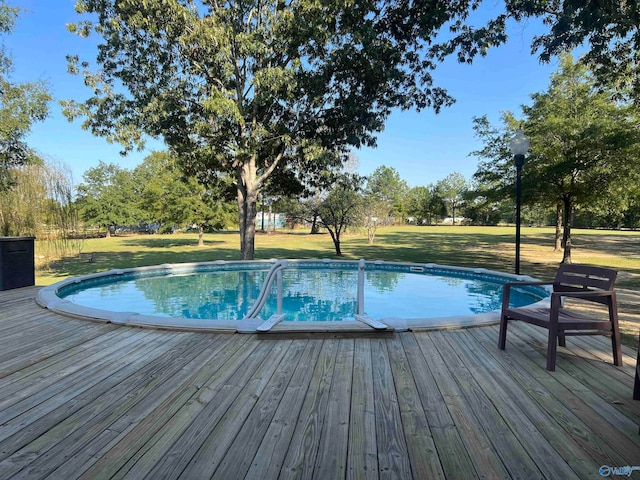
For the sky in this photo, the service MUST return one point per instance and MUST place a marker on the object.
(423, 147)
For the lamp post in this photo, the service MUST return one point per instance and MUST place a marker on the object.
(519, 147)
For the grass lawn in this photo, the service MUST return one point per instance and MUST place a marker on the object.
(488, 247)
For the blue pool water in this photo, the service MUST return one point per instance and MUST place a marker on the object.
(313, 292)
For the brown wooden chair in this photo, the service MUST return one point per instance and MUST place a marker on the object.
(582, 282)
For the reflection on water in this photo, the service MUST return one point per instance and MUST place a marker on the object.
(225, 295)
(308, 294)
(315, 295)
(410, 295)
(221, 295)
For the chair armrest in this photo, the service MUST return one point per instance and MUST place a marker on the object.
(586, 295)
(604, 297)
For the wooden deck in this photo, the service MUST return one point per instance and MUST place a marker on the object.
(90, 400)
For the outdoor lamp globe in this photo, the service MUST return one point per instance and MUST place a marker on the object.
(519, 145)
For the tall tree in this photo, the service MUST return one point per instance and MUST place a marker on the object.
(372, 215)
(62, 218)
(21, 105)
(425, 204)
(452, 189)
(245, 85)
(40, 204)
(108, 197)
(169, 197)
(585, 143)
(480, 209)
(386, 186)
(22, 206)
(341, 208)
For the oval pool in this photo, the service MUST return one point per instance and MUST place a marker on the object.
(315, 295)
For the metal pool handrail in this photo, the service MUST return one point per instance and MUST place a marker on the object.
(275, 272)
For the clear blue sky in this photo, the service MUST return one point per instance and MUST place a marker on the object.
(423, 147)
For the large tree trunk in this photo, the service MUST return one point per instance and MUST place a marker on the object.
(248, 187)
(200, 236)
(558, 244)
(335, 236)
(247, 209)
(314, 224)
(566, 238)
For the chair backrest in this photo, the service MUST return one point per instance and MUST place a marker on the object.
(579, 278)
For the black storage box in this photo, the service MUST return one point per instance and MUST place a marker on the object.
(17, 264)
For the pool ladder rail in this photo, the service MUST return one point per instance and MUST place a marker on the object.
(275, 274)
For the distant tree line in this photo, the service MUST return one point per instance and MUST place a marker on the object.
(156, 191)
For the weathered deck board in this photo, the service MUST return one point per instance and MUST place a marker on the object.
(452, 453)
(507, 443)
(99, 401)
(78, 421)
(523, 413)
(423, 457)
(332, 455)
(393, 456)
(479, 447)
(562, 404)
(88, 441)
(152, 438)
(248, 440)
(215, 448)
(270, 456)
(362, 460)
(303, 450)
(595, 385)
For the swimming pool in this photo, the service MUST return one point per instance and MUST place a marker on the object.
(299, 294)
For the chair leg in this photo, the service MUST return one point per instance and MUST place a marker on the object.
(615, 334)
(562, 341)
(552, 350)
(615, 347)
(636, 383)
(502, 337)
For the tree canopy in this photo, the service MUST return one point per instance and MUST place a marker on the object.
(584, 145)
(341, 207)
(168, 197)
(424, 204)
(245, 86)
(609, 29)
(451, 190)
(108, 197)
(386, 186)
